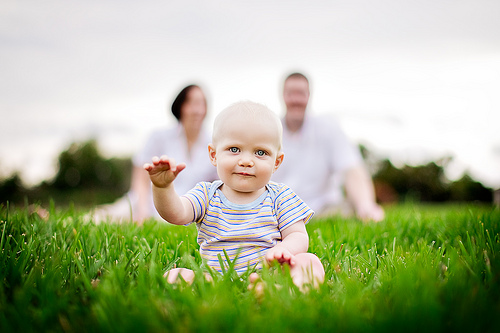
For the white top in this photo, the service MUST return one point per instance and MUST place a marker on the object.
(173, 143)
(315, 158)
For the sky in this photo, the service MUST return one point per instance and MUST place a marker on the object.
(413, 81)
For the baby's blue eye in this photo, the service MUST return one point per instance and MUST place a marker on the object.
(234, 150)
(260, 153)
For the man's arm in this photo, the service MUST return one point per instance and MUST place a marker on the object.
(361, 194)
(171, 207)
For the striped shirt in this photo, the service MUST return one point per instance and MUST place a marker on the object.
(245, 231)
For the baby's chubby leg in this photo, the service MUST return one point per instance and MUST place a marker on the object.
(307, 269)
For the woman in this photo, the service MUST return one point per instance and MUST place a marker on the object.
(187, 141)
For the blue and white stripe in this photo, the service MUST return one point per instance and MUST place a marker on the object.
(243, 231)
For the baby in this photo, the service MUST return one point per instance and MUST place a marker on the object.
(251, 218)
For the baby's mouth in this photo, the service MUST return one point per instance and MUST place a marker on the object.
(244, 174)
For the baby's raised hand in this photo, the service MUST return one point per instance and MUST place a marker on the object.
(280, 254)
(163, 170)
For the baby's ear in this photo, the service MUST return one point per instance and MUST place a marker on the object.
(212, 154)
(279, 160)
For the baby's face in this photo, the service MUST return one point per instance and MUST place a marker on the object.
(246, 154)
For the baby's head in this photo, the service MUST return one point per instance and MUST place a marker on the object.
(251, 116)
(246, 145)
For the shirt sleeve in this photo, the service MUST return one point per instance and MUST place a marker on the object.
(198, 197)
(290, 208)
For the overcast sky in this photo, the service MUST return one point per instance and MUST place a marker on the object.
(412, 80)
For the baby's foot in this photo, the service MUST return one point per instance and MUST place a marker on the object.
(256, 285)
(174, 274)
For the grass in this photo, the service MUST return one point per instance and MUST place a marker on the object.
(425, 268)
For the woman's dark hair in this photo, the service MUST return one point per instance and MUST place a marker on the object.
(180, 99)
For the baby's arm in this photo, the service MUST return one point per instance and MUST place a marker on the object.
(294, 241)
(170, 206)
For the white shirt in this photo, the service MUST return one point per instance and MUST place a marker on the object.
(315, 158)
(173, 143)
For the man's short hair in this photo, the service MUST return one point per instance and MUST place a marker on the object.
(296, 75)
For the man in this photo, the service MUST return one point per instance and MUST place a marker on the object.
(319, 159)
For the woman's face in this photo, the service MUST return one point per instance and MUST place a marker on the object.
(194, 109)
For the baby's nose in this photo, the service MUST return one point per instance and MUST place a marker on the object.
(245, 161)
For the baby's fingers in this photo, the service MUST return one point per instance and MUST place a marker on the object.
(165, 160)
(179, 168)
(156, 160)
(274, 255)
(286, 257)
(161, 163)
(270, 256)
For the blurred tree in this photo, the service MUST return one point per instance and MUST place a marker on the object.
(11, 189)
(466, 189)
(425, 183)
(87, 178)
(421, 183)
(82, 166)
(83, 176)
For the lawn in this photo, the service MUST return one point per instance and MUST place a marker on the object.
(425, 268)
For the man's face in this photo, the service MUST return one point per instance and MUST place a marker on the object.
(296, 96)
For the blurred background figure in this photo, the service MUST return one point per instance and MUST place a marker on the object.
(186, 142)
(321, 165)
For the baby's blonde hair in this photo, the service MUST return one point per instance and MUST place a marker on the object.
(246, 110)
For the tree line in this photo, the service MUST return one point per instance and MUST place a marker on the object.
(86, 178)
